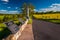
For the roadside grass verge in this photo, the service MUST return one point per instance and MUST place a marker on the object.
(56, 21)
(30, 21)
(4, 31)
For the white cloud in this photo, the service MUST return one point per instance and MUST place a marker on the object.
(5, 0)
(8, 12)
(35, 10)
(3, 11)
(56, 4)
(53, 7)
(13, 12)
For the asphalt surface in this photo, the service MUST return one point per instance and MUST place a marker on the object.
(45, 30)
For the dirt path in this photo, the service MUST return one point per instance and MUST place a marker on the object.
(27, 34)
(45, 30)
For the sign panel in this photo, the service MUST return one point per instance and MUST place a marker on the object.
(20, 19)
(12, 27)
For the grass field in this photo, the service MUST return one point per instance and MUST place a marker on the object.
(4, 31)
(30, 21)
(47, 16)
(54, 18)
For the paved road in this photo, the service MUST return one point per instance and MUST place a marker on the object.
(45, 30)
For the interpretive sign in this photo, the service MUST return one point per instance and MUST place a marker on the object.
(20, 19)
(12, 27)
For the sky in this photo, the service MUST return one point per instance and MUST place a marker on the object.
(12, 6)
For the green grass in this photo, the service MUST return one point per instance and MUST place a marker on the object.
(30, 21)
(1, 17)
(2, 26)
(4, 31)
(56, 21)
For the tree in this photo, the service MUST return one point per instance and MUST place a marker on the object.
(24, 7)
(31, 9)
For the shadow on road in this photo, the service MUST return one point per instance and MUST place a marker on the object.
(45, 31)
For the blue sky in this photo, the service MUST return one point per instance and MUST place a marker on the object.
(12, 6)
